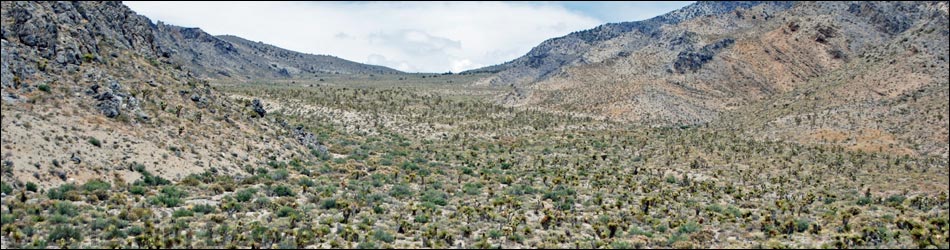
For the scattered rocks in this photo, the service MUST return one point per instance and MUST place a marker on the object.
(59, 173)
(309, 140)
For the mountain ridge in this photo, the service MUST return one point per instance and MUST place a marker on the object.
(695, 69)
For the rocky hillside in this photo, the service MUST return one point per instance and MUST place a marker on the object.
(852, 66)
(90, 90)
(235, 58)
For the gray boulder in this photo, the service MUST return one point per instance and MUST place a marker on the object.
(258, 107)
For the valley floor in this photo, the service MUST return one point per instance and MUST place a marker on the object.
(434, 163)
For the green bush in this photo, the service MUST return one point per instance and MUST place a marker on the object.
(895, 200)
(65, 208)
(494, 234)
(44, 88)
(366, 245)
(59, 193)
(136, 230)
(281, 190)
(285, 211)
(96, 184)
(7, 219)
(716, 208)
(400, 191)
(30, 186)
(169, 197)
(5, 188)
(245, 195)
(688, 228)
(621, 245)
(137, 190)
(203, 209)
(279, 174)
(95, 142)
(802, 225)
(328, 203)
(64, 233)
(637, 231)
(863, 201)
(472, 188)
(306, 182)
(382, 235)
(421, 218)
(150, 180)
(182, 213)
(435, 196)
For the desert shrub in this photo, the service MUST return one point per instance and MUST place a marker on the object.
(637, 231)
(279, 174)
(203, 209)
(60, 192)
(169, 197)
(400, 191)
(895, 200)
(245, 195)
(472, 188)
(151, 180)
(306, 182)
(366, 245)
(137, 190)
(802, 225)
(285, 211)
(182, 213)
(135, 230)
(328, 203)
(95, 142)
(494, 234)
(421, 218)
(281, 190)
(6, 188)
(688, 228)
(64, 233)
(7, 219)
(435, 196)
(863, 201)
(621, 245)
(96, 184)
(382, 235)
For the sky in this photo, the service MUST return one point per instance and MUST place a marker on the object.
(407, 36)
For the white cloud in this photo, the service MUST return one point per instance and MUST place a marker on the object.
(413, 36)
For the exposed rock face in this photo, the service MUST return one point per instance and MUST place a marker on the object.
(690, 61)
(109, 103)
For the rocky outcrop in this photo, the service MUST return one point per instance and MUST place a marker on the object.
(308, 140)
(691, 60)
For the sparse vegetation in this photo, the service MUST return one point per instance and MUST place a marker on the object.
(434, 161)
